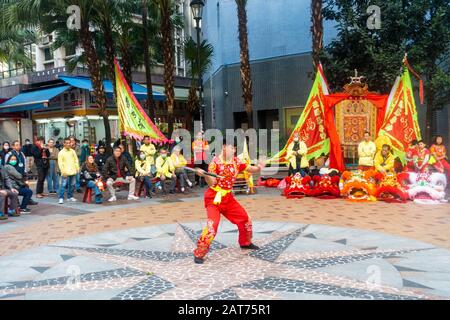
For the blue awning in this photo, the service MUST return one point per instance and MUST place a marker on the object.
(26, 101)
(85, 83)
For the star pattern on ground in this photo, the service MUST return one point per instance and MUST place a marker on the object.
(228, 272)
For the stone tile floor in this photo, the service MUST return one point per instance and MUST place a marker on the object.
(327, 249)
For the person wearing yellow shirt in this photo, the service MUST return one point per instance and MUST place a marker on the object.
(143, 172)
(165, 170)
(69, 167)
(149, 150)
(366, 153)
(180, 162)
(296, 155)
(384, 160)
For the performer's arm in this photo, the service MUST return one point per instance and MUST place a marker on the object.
(258, 168)
(211, 181)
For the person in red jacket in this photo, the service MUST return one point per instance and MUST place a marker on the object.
(219, 200)
(439, 152)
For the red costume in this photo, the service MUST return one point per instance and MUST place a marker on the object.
(411, 155)
(440, 153)
(423, 156)
(220, 200)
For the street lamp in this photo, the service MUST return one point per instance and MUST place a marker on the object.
(197, 11)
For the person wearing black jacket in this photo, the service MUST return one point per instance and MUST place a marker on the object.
(90, 176)
(5, 193)
(26, 149)
(6, 148)
(41, 157)
(101, 157)
(118, 170)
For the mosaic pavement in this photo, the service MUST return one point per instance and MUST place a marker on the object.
(296, 261)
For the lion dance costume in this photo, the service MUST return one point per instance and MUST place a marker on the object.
(219, 200)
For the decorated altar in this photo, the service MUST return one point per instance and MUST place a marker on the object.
(333, 124)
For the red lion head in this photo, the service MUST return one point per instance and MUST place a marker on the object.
(297, 186)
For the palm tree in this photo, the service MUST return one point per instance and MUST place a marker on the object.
(166, 10)
(190, 54)
(12, 46)
(316, 30)
(246, 81)
(50, 16)
(147, 62)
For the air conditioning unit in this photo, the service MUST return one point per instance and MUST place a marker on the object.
(46, 40)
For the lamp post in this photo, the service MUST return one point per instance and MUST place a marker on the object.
(197, 10)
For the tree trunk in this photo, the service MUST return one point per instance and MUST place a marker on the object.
(109, 51)
(192, 104)
(246, 80)
(429, 116)
(93, 65)
(126, 63)
(169, 67)
(147, 64)
(316, 30)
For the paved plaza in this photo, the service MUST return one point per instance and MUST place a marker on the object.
(310, 249)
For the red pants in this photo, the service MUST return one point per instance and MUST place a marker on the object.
(233, 211)
(443, 166)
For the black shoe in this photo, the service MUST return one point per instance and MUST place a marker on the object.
(198, 260)
(251, 246)
(22, 211)
(79, 191)
(32, 203)
(172, 192)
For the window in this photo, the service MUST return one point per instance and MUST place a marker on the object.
(179, 41)
(70, 51)
(48, 54)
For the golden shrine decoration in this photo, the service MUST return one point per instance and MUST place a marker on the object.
(356, 115)
(353, 118)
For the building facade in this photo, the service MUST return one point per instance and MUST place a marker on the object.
(281, 65)
(74, 111)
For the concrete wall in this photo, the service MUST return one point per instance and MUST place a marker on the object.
(275, 28)
(277, 83)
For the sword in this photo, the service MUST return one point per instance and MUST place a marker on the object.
(206, 173)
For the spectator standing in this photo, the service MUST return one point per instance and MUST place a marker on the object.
(85, 151)
(143, 172)
(53, 171)
(74, 143)
(27, 151)
(69, 168)
(5, 149)
(199, 147)
(41, 157)
(149, 149)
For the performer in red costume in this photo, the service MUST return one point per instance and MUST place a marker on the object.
(411, 156)
(440, 155)
(219, 200)
(423, 157)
